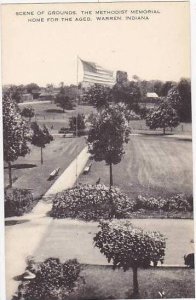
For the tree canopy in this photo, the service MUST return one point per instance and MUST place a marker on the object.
(28, 112)
(107, 135)
(97, 95)
(63, 100)
(77, 122)
(128, 93)
(40, 137)
(127, 246)
(16, 133)
(162, 116)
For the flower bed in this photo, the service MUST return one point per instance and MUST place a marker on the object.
(91, 202)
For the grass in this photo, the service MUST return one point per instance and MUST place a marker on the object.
(52, 116)
(104, 283)
(151, 166)
(181, 129)
(28, 173)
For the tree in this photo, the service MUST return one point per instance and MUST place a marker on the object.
(128, 93)
(77, 123)
(63, 101)
(16, 133)
(109, 131)
(31, 86)
(129, 247)
(184, 88)
(15, 92)
(180, 98)
(28, 112)
(166, 87)
(98, 95)
(40, 137)
(162, 116)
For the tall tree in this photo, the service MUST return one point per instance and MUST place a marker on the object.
(16, 133)
(128, 247)
(166, 87)
(62, 100)
(107, 135)
(128, 93)
(184, 88)
(162, 116)
(32, 86)
(28, 112)
(77, 122)
(40, 137)
(15, 92)
(98, 96)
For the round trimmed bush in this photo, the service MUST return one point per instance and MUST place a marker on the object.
(54, 280)
(91, 202)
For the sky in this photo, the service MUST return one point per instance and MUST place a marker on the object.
(46, 52)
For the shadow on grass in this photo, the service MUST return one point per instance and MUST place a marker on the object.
(15, 222)
(22, 166)
(54, 110)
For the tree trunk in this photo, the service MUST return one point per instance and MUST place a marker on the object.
(10, 173)
(41, 155)
(164, 130)
(111, 176)
(135, 282)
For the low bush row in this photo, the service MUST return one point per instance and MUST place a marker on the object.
(178, 202)
(92, 202)
(18, 202)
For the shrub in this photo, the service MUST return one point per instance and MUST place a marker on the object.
(54, 280)
(178, 202)
(91, 202)
(18, 202)
(127, 246)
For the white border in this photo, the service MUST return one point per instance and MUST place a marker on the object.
(193, 76)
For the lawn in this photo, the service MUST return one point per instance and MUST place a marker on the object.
(54, 117)
(153, 165)
(29, 173)
(181, 129)
(104, 283)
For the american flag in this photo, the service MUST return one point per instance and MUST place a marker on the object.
(94, 73)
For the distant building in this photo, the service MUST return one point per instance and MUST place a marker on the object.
(36, 93)
(152, 97)
(150, 100)
(46, 96)
(26, 97)
(121, 77)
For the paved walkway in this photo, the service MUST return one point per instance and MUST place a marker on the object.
(33, 102)
(22, 239)
(68, 238)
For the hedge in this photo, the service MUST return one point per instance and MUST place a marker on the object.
(91, 202)
(178, 202)
(18, 202)
(95, 202)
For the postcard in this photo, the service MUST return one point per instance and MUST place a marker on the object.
(97, 145)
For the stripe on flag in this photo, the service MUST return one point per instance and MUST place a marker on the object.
(94, 73)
